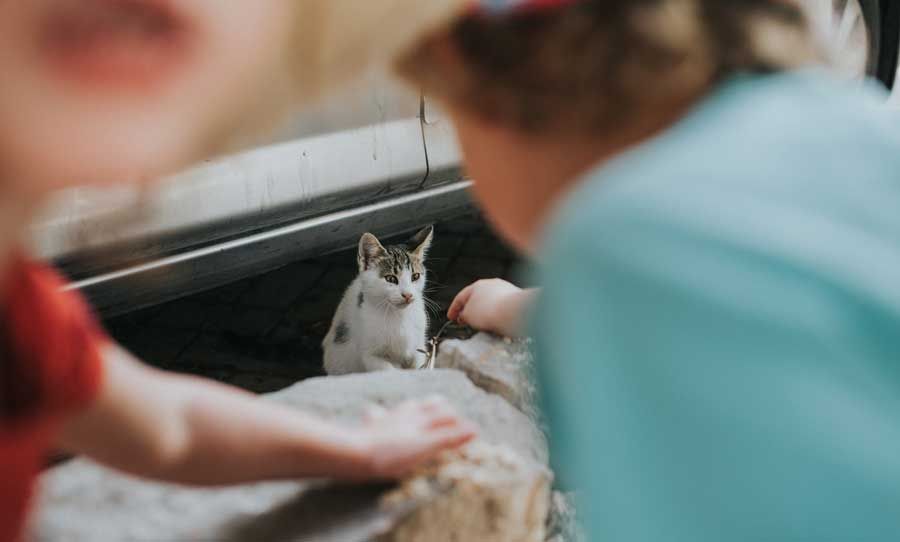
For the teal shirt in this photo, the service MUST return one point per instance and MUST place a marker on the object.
(719, 331)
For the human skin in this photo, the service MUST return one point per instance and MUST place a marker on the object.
(493, 305)
(109, 91)
(204, 433)
(520, 178)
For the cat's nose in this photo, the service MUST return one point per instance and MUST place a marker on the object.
(408, 297)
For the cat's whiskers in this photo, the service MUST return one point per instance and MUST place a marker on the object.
(433, 306)
(434, 286)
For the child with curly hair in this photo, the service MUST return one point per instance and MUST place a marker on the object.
(716, 228)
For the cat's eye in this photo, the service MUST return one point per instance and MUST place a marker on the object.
(416, 276)
(392, 279)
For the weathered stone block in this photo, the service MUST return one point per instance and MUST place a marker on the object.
(499, 366)
(481, 493)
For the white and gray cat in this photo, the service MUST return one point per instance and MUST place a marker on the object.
(381, 321)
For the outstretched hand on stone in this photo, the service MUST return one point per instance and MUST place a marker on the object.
(403, 438)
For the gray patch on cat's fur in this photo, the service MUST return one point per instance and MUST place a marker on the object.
(341, 333)
(360, 299)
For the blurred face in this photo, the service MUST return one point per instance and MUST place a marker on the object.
(510, 186)
(100, 91)
(520, 177)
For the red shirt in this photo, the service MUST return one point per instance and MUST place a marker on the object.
(55, 345)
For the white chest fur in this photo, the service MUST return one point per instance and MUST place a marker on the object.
(372, 335)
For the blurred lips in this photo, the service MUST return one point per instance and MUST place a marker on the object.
(115, 42)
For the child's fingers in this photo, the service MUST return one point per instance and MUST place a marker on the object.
(438, 413)
(417, 406)
(449, 419)
(451, 437)
(433, 403)
(459, 302)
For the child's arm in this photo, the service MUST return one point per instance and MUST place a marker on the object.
(188, 430)
(492, 305)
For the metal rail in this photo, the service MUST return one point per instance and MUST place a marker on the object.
(197, 270)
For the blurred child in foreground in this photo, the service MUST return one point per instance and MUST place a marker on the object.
(717, 234)
(110, 91)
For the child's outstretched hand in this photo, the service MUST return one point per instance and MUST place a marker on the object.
(187, 430)
(491, 305)
(401, 439)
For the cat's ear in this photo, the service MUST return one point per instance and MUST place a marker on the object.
(369, 249)
(421, 242)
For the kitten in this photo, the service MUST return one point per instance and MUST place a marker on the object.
(381, 320)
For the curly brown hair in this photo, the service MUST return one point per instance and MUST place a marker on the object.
(591, 66)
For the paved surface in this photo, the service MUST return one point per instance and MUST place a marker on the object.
(264, 333)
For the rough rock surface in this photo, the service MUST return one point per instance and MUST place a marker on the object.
(505, 367)
(482, 493)
(82, 501)
(564, 525)
(500, 366)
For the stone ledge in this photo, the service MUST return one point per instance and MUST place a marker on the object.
(482, 493)
(499, 366)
